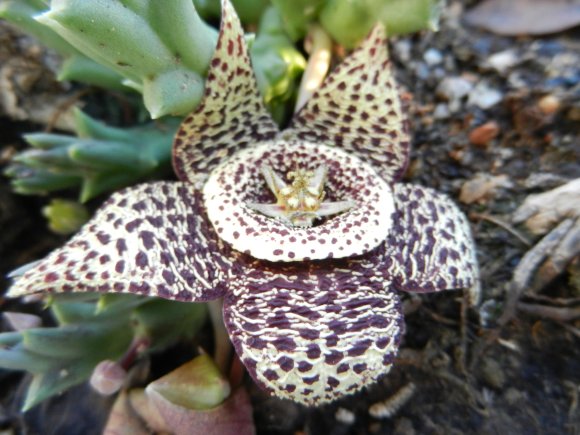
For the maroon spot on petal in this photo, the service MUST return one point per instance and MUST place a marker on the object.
(312, 379)
(121, 246)
(309, 334)
(313, 351)
(271, 375)
(359, 368)
(141, 259)
(333, 358)
(148, 239)
(304, 366)
(333, 382)
(50, 277)
(103, 238)
(359, 348)
(284, 344)
(383, 342)
(342, 368)
(120, 266)
(168, 276)
(286, 363)
(290, 388)
(257, 343)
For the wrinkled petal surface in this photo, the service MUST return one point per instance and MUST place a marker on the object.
(313, 332)
(231, 115)
(430, 247)
(152, 239)
(239, 181)
(358, 109)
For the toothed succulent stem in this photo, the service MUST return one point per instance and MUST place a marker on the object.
(100, 159)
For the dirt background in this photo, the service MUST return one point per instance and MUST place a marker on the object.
(461, 369)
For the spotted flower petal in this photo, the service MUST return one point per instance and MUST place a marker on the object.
(152, 239)
(358, 109)
(430, 246)
(238, 182)
(314, 332)
(231, 115)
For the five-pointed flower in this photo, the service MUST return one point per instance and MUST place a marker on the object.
(305, 232)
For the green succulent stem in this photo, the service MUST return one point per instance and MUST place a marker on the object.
(222, 344)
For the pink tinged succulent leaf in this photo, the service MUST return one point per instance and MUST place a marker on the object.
(152, 239)
(238, 182)
(314, 332)
(232, 417)
(231, 115)
(430, 247)
(358, 109)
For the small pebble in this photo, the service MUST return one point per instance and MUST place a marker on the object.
(549, 104)
(454, 88)
(441, 111)
(483, 96)
(345, 416)
(481, 136)
(433, 57)
(503, 60)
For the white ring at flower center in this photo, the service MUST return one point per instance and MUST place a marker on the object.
(231, 186)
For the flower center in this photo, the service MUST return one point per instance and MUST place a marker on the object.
(300, 203)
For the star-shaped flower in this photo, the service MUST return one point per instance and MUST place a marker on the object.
(309, 275)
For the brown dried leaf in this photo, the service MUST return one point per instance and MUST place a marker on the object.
(544, 210)
(482, 187)
(518, 17)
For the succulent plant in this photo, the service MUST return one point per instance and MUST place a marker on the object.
(100, 159)
(89, 330)
(313, 311)
(350, 21)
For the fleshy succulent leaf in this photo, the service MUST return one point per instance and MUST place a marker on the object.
(233, 416)
(350, 21)
(313, 332)
(147, 240)
(197, 384)
(358, 109)
(277, 63)
(101, 158)
(76, 66)
(231, 115)
(64, 216)
(164, 51)
(430, 246)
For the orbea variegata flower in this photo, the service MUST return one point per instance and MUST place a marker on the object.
(310, 274)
